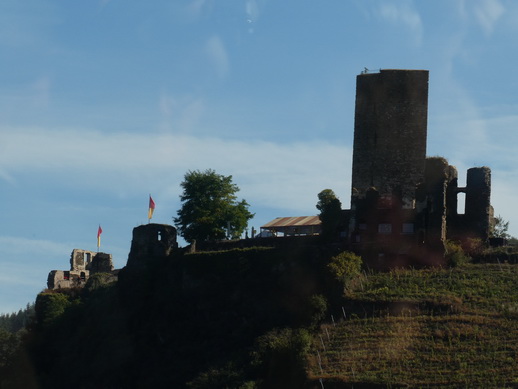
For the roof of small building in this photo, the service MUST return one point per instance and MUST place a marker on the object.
(293, 221)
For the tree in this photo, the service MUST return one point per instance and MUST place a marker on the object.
(210, 208)
(330, 209)
(500, 228)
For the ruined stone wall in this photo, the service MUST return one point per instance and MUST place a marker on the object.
(96, 262)
(478, 210)
(83, 263)
(435, 194)
(58, 279)
(101, 263)
(150, 242)
(390, 134)
(80, 259)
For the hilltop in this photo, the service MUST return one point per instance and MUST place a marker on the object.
(268, 317)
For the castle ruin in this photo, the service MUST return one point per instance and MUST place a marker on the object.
(403, 204)
(83, 263)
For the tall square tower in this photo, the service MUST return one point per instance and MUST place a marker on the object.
(390, 135)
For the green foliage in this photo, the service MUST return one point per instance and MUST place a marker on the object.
(98, 281)
(228, 377)
(500, 254)
(281, 355)
(474, 247)
(455, 255)
(485, 288)
(345, 266)
(499, 228)
(443, 327)
(209, 206)
(212, 327)
(16, 321)
(50, 306)
(9, 344)
(318, 308)
(330, 209)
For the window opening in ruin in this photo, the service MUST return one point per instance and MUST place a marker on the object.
(159, 236)
(385, 228)
(461, 203)
(88, 258)
(66, 275)
(83, 276)
(407, 228)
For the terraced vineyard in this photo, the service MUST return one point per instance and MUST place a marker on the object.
(423, 328)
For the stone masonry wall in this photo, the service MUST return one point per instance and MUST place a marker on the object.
(390, 133)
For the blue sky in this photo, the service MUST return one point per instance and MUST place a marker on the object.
(104, 102)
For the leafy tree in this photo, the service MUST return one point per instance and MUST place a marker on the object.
(344, 272)
(500, 228)
(345, 266)
(210, 206)
(455, 255)
(330, 209)
(49, 307)
(281, 356)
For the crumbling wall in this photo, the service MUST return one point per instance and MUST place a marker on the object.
(83, 263)
(101, 263)
(440, 181)
(478, 210)
(58, 279)
(151, 241)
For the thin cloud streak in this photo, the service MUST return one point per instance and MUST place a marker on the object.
(20, 245)
(217, 54)
(270, 174)
(488, 13)
(400, 13)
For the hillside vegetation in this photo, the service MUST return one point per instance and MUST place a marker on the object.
(293, 317)
(423, 328)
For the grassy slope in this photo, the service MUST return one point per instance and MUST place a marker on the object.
(424, 328)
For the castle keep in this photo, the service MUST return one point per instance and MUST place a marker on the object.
(403, 204)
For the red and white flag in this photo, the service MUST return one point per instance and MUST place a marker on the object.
(99, 232)
(151, 208)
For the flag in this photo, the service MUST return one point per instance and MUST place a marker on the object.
(99, 232)
(151, 208)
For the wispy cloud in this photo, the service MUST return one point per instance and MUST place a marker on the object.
(21, 245)
(285, 176)
(252, 9)
(487, 13)
(195, 7)
(217, 54)
(180, 114)
(25, 24)
(25, 266)
(41, 90)
(403, 13)
(252, 14)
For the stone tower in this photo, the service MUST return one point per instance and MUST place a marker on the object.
(151, 242)
(478, 212)
(390, 135)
